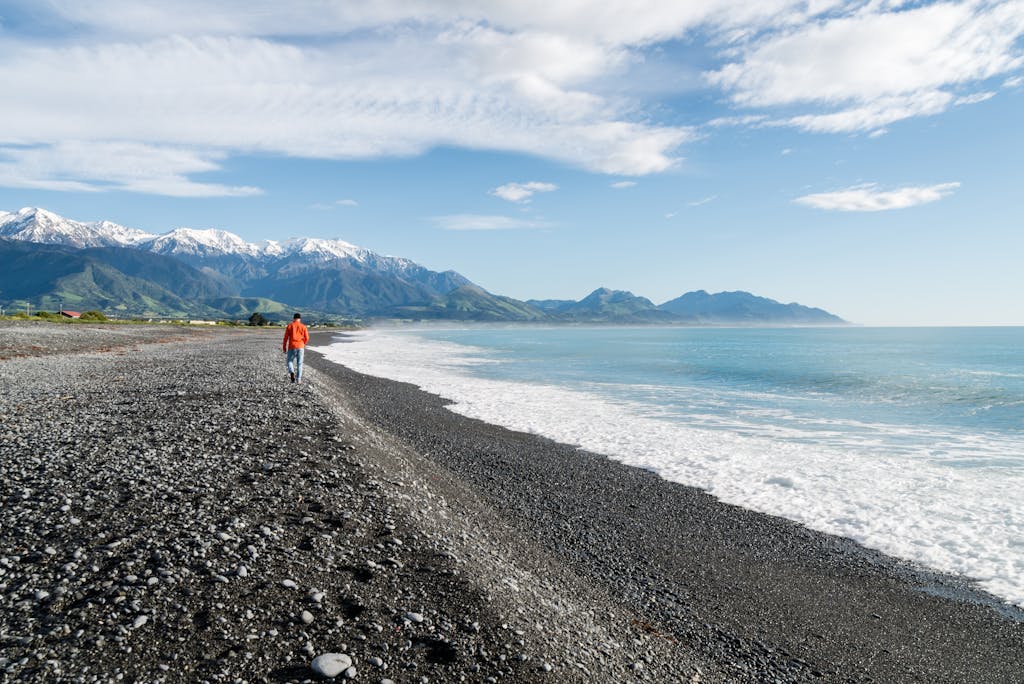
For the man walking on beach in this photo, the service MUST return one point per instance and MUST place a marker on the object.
(295, 338)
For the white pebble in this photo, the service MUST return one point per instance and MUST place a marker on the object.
(289, 584)
(331, 664)
(140, 621)
(414, 617)
(307, 617)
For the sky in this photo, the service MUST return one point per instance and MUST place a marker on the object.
(863, 157)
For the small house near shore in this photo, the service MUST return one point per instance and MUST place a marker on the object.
(70, 314)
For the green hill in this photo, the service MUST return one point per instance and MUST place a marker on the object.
(472, 303)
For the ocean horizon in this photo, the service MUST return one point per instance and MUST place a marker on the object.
(908, 440)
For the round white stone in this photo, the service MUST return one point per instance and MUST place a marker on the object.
(331, 664)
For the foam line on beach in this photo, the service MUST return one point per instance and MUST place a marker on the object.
(961, 521)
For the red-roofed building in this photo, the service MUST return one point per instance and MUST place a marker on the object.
(70, 314)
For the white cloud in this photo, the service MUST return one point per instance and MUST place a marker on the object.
(486, 222)
(382, 79)
(603, 22)
(786, 151)
(742, 120)
(522, 192)
(876, 64)
(100, 166)
(1013, 82)
(622, 185)
(371, 78)
(869, 197)
(329, 206)
(873, 115)
(702, 201)
(975, 98)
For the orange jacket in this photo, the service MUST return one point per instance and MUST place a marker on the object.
(295, 336)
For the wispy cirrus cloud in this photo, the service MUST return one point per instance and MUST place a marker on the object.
(328, 206)
(387, 78)
(487, 222)
(522, 192)
(702, 201)
(356, 80)
(97, 167)
(870, 197)
(622, 185)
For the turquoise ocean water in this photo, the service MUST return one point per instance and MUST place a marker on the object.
(910, 440)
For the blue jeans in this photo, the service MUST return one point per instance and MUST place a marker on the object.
(295, 363)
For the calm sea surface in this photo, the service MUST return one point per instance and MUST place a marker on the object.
(908, 440)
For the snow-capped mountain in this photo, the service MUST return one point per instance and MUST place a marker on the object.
(204, 242)
(33, 224)
(320, 249)
(213, 273)
(328, 275)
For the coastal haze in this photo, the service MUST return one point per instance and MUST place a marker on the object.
(651, 341)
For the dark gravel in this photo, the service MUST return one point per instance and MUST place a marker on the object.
(172, 509)
(741, 595)
(21, 338)
(180, 512)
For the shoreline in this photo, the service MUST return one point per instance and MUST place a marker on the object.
(179, 512)
(176, 511)
(882, 617)
(516, 412)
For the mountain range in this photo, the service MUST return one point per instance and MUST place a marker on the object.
(49, 261)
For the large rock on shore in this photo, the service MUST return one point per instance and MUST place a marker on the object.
(331, 664)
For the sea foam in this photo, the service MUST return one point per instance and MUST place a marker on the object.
(968, 521)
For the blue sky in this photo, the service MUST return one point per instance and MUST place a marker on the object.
(860, 156)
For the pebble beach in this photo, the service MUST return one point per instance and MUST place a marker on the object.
(174, 510)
